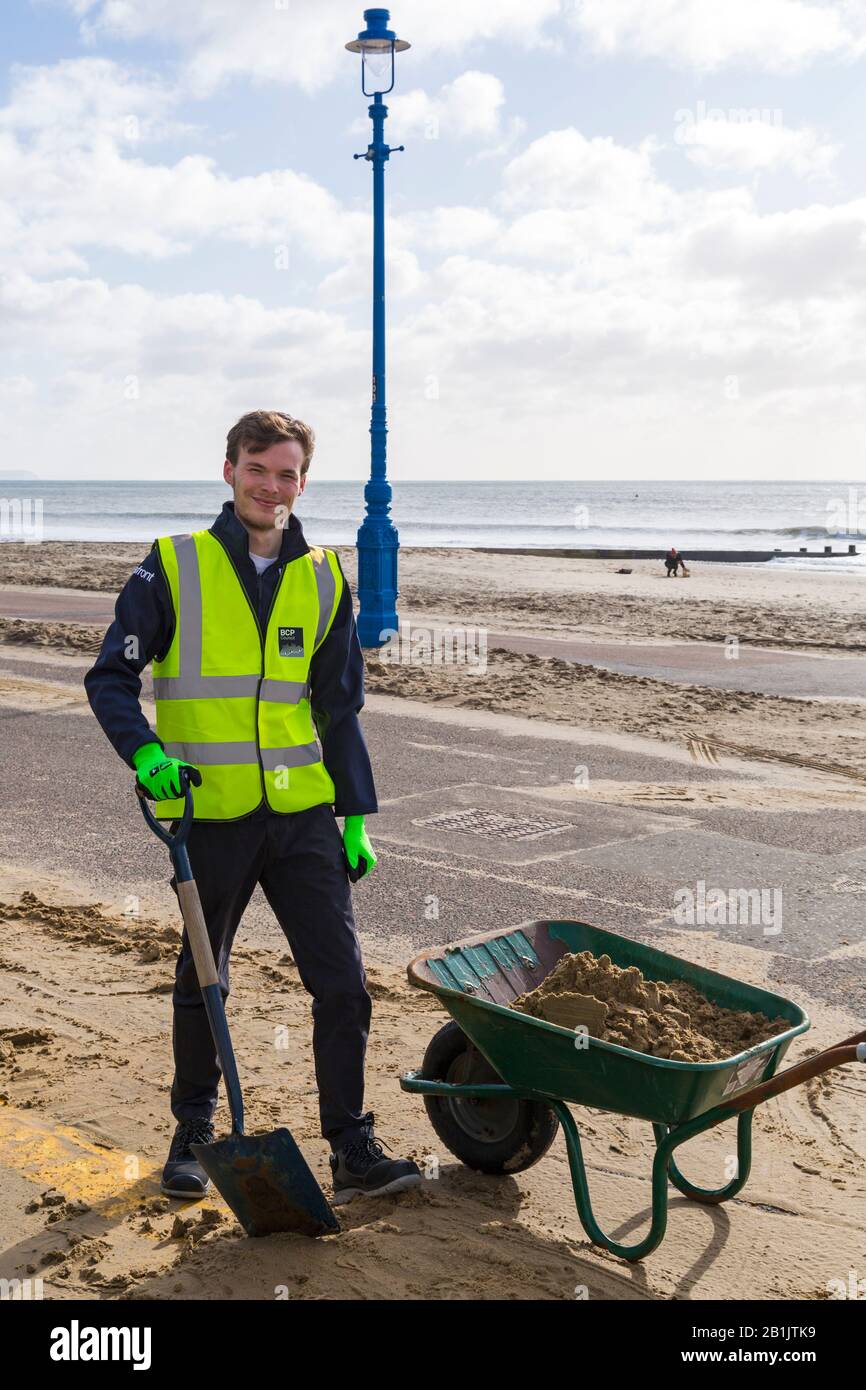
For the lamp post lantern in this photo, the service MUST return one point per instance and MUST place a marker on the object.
(377, 537)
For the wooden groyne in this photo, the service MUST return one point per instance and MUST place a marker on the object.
(727, 557)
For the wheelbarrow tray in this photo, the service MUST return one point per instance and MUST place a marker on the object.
(476, 978)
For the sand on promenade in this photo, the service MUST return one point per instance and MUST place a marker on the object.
(84, 1066)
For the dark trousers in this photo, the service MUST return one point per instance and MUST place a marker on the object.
(298, 860)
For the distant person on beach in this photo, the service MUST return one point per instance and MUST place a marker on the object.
(673, 560)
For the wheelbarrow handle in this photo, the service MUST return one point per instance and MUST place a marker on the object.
(851, 1050)
(177, 840)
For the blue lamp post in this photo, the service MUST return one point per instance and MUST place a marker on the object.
(377, 537)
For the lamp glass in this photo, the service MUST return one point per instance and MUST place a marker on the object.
(378, 72)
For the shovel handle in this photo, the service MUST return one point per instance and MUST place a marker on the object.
(211, 993)
(199, 941)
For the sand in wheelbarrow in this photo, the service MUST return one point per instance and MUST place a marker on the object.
(662, 1018)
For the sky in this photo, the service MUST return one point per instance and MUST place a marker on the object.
(626, 238)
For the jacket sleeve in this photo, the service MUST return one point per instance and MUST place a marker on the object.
(336, 698)
(142, 629)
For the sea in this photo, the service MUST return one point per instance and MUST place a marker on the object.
(690, 515)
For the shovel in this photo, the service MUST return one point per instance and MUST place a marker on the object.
(264, 1178)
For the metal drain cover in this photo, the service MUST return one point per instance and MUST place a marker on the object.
(496, 826)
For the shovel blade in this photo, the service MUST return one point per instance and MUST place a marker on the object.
(268, 1184)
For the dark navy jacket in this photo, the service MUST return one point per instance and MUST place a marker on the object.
(144, 609)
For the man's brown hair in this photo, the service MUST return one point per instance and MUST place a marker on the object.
(260, 429)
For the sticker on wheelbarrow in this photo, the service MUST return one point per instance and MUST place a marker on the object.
(747, 1071)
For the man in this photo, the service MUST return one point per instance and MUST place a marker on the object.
(673, 560)
(265, 647)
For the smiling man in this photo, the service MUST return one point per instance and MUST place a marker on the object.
(257, 689)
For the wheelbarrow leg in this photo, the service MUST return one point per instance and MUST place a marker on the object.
(659, 1221)
(714, 1195)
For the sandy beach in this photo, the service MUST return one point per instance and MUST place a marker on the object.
(815, 609)
(682, 774)
(818, 614)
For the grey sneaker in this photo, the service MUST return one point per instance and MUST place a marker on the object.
(360, 1168)
(182, 1175)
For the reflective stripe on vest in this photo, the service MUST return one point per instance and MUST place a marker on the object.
(240, 714)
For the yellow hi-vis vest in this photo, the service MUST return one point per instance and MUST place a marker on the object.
(232, 702)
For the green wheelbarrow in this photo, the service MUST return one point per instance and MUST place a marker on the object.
(497, 1083)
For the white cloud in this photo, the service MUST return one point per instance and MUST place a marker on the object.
(565, 169)
(353, 279)
(452, 24)
(632, 371)
(83, 98)
(473, 104)
(301, 42)
(152, 379)
(96, 198)
(600, 209)
(775, 35)
(470, 107)
(753, 145)
(608, 304)
(801, 255)
(14, 389)
(72, 178)
(446, 229)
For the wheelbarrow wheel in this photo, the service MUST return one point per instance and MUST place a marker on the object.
(505, 1135)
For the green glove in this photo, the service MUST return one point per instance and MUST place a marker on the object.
(359, 851)
(159, 774)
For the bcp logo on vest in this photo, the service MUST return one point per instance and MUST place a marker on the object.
(291, 641)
